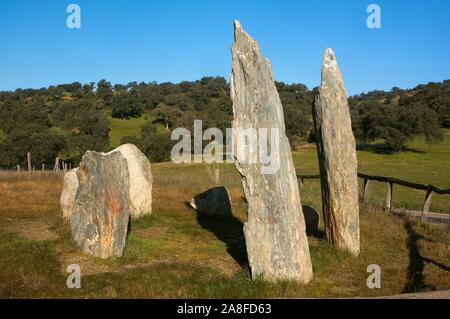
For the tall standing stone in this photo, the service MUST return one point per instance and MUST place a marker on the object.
(337, 158)
(275, 236)
(99, 222)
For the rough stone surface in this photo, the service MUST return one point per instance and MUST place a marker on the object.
(276, 241)
(141, 180)
(215, 202)
(140, 189)
(99, 222)
(69, 191)
(337, 158)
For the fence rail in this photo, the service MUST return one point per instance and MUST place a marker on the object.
(390, 181)
(405, 183)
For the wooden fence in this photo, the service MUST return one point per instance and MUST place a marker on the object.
(390, 181)
(58, 165)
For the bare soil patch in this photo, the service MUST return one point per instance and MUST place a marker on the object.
(36, 229)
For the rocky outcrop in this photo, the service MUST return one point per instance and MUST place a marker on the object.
(275, 235)
(215, 202)
(69, 191)
(141, 180)
(337, 158)
(99, 222)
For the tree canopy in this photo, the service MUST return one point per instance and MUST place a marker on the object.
(66, 120)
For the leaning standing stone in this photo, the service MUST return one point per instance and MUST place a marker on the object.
(99, 222)
(275, 236)
(337, 158)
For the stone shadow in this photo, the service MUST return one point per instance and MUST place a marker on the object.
(442, 266)
(383, 149)
(415, 278)
(230, 231)
(224, 225)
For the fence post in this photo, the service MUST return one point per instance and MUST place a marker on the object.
(426, 204)
(18, 168)
(389, 199)
(43, 167)
(448, 226)
(29, 161)
(366, 190)
(217, 176)
(56, 167)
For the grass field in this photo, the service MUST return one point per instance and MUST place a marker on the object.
(130, 127)
(422, 163)
(173, 253)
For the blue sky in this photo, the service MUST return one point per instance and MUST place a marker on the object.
(168, 40)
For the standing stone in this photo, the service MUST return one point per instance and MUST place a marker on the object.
(141, 180)
(140, 189)
(215, 202)
(69, 191)
(312, 219)
(99, 222)
(277, 245)
(337, 158)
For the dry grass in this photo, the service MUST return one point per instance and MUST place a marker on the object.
(26, 195)
(172, 253)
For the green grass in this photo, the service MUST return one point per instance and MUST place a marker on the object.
(422, 163)
(120, 128)
(130, 127)
(173, 253)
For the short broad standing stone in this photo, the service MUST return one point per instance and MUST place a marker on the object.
(337, 158)
(215, 202)
(99, 222)
(141, 182)
(69, 191)
(275, 236)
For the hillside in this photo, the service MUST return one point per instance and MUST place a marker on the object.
(120, 128)
(68, 119)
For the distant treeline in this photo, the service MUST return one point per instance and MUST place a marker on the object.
(68, 119)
